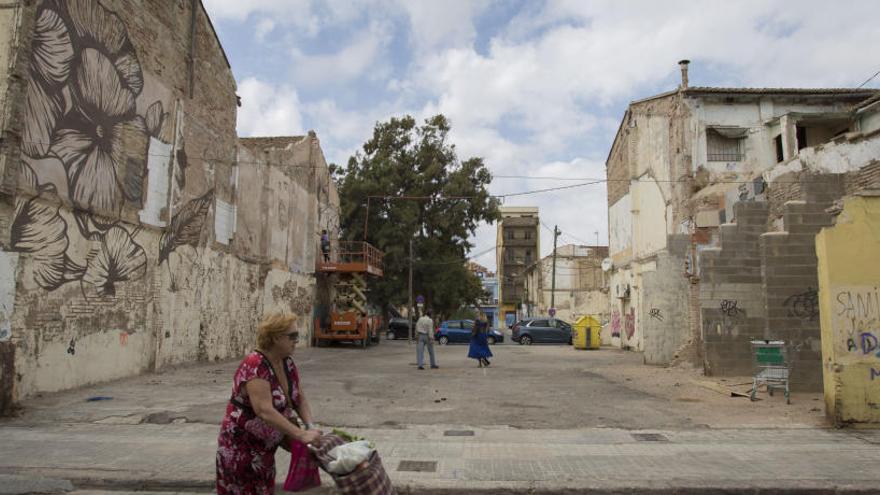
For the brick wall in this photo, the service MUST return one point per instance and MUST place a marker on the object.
(789, 266)
(731, 297)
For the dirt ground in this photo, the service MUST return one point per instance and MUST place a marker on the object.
(535, 386)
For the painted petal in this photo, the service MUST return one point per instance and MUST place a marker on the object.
(41, 112)
(99, 90)
(71, 147)
(49, 172)
(129, 151)
(154, 119)
(119, 259)
(38, 229)
(92, 20)
(94, 184)
(51, 48)
(130, 70)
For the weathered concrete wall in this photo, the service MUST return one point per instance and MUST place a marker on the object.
(849, 302)
(664, 315)
(121, 200)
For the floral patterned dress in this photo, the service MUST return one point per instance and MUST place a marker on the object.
(247, 444)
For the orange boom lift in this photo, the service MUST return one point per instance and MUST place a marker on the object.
(350, 266)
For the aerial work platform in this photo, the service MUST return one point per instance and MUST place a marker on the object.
(349, 264)
(352, 257)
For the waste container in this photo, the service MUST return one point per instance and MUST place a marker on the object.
(586, 333)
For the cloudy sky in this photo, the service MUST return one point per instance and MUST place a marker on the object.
(536, 88)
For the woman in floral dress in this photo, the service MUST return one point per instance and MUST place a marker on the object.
(260, 414)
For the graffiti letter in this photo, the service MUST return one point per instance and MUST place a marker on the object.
(874, 373)
(869, 342)
(851, 345)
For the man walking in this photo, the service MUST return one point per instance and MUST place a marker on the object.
(424, 327)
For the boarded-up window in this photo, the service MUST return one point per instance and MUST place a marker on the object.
(721, 147)
(224, 221)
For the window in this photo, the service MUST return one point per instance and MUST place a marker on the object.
(780, 156)
(528, 234)
(539, 323)
(510, 234)
(724, 145)
(801, 137)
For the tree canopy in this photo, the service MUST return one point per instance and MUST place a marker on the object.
(417, 189)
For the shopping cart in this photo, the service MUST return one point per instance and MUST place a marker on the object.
(771, 367)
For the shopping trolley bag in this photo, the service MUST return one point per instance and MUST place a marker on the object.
(367, 478)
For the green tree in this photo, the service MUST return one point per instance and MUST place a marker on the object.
(418, 189)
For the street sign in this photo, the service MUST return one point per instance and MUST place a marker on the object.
(420, 299)
(552, 311)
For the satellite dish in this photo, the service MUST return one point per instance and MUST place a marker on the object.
(607, 264)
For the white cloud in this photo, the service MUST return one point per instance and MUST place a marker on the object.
(268, 110)
(361, 57)
(442, 24)
(264, 28)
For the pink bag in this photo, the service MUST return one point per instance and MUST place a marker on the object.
(303, 473)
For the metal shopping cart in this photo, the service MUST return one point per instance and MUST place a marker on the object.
(771, 367)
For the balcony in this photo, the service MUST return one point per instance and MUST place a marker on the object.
(520, 242)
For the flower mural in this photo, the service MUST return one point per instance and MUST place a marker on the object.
(83, 140)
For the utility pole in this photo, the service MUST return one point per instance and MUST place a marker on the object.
(556, 233)
(409, 310)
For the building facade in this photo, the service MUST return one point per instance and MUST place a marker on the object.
(136, 231)
(712, 215)
(580, 287)
(517, 246)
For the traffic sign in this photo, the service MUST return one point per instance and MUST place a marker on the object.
(420, 299)
(552, 311)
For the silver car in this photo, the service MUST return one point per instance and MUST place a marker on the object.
(541, 330)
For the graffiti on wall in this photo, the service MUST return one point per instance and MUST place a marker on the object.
(615, 323)
(85, 141)
(629, 324)
(804, 305)
(656, 314)
(856, 322)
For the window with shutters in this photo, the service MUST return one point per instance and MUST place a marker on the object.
(723, 149)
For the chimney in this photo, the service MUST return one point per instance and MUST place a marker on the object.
(684, 73)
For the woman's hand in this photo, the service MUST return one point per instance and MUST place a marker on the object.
(312, 437)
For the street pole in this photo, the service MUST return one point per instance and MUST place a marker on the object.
(556, 233)
(410, 309)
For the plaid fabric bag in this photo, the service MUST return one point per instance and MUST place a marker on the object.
(369, 480)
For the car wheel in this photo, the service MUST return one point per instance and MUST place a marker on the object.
(390, 335)
(443, 340)
(491, 340)
(525, 340)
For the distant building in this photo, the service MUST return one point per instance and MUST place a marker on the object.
(580, 283)
(517, 246)
(489, 303)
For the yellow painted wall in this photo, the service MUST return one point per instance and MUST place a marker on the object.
(849, 304)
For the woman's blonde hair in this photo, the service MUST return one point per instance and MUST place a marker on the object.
(272, 326)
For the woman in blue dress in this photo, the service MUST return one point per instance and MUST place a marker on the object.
(479, 348)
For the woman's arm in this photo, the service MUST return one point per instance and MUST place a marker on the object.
(260, 395)
(304, 411)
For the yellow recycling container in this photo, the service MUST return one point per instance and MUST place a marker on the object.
(586, 333)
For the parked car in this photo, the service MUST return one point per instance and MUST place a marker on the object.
(398, 326)
(541, 330)
(459, 331)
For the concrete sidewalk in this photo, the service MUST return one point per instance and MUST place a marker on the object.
(180, 457)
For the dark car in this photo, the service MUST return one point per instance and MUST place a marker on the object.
(541, 330)
(459, 331)
(398, 326)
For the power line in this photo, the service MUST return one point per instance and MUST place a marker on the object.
(869, 79)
